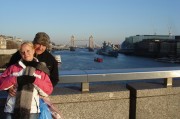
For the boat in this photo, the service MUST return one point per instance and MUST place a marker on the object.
(58, 58)
(168, 60)
(97, 59)
(91, 49)
(72, 48)
(108, 50)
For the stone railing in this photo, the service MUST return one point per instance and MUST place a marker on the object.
(101, 95)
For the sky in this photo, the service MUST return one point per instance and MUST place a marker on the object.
(105, 20)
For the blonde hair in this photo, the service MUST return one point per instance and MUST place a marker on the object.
(30, 44)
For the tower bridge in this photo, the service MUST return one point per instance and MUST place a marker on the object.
(71, 45)
(91, 45)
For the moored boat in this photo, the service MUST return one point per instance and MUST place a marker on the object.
(108, 50)
(91, 49)
(72, 48)
(168, 60)
(58, 58)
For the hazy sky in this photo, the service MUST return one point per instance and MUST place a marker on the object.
(105, 20)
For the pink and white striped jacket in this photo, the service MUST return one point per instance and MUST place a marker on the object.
(42, 83)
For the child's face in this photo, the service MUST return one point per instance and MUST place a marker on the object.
(27, 53)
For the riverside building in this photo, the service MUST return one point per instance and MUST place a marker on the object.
(152, 45)
(8, 46)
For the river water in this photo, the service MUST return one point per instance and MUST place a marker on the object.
(82, 59)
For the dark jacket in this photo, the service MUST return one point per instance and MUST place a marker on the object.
(46, 57)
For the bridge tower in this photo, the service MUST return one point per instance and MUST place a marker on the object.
(91, 43)
(72, 47)
(72, 41)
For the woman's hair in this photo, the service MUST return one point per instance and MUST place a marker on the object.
(30, 44)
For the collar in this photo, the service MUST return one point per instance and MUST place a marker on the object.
(23, 65)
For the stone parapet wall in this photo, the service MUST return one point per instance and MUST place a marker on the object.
(102, 102)
(154, 101)
(115, 101)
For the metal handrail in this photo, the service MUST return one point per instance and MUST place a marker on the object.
(86, 76)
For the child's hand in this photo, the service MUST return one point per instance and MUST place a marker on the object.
(12, 91)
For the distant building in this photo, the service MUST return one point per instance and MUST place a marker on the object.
(152, 45)
(8, 46)
(2, 43)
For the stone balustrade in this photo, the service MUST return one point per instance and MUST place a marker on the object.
(148, 93)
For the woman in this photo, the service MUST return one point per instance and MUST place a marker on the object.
(30, 78)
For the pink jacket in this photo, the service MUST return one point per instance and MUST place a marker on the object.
(42, 85)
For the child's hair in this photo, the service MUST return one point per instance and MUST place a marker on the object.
(27, 43)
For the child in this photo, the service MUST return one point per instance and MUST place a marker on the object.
(30, 78)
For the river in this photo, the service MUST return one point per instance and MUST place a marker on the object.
(82, 59)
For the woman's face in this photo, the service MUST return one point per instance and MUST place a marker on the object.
(39, 49)
(27, 53)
